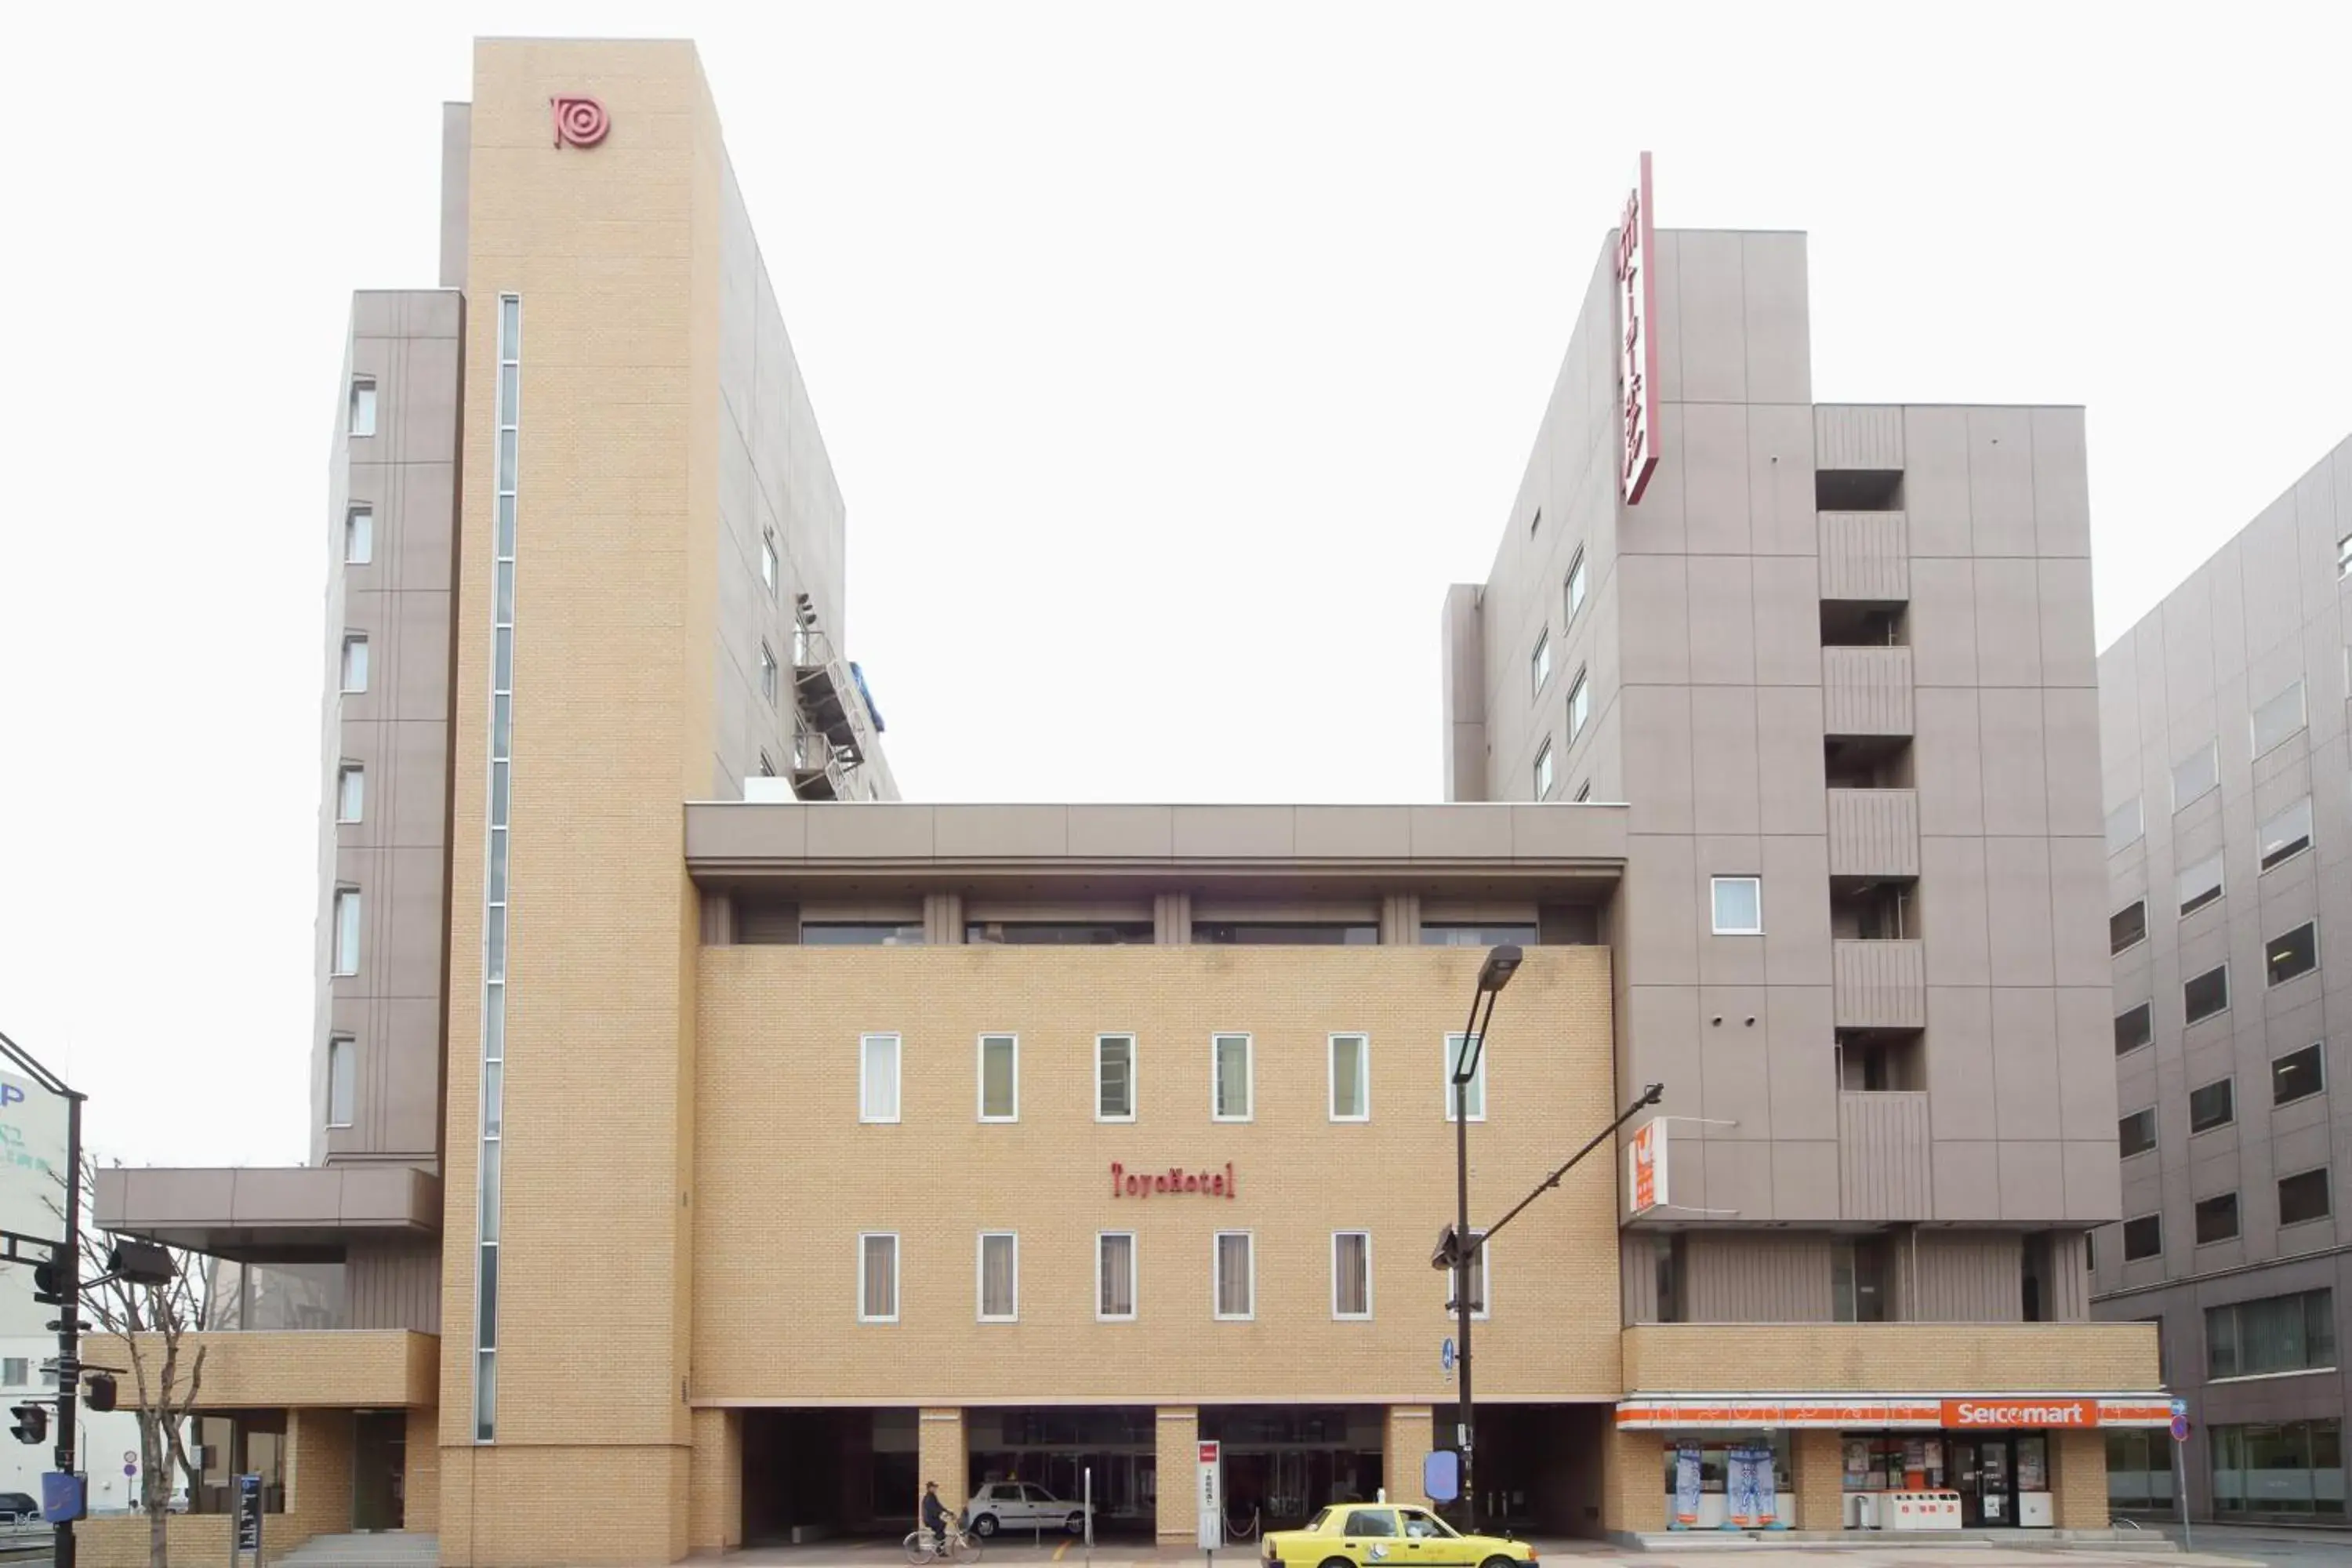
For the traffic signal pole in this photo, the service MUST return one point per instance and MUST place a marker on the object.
(69, 1323)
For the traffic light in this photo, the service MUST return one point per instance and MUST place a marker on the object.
(1449, 1250)
(99, 1392)
(49, 1283)
(32, 1422)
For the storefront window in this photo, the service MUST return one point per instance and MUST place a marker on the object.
(1712, 1508)
(2288, 1466)
(1893, 1463)
(2139, 1469)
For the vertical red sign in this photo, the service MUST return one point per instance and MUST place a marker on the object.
(1637, 366)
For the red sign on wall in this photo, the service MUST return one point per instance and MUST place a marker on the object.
(580, 122)
(1127, 1183)
(1637, 366)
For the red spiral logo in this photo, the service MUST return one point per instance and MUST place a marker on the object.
(580, 122)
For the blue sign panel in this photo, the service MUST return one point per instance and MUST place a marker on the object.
(60, 1497)
(1440, 1476)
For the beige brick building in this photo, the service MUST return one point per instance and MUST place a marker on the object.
(710, 1148)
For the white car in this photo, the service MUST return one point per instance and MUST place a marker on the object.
(1020, 1505)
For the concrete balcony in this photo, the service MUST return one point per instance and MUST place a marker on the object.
(1875, 833)
(294, 1369)
(1865, 556)
(1891, 1358)
(1866, 691)
(1879, 984)
(1882, 1155)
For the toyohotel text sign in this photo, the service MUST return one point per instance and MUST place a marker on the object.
(1637, 366)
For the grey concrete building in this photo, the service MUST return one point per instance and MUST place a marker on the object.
(1838, 663)
(2228, 796)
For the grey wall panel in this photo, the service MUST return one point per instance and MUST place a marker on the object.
(1867, 436)
(1882, 1156)
(1780, 495)
(2068, 1297)
(1968, 1276)
(1863, 556)
(390, 1286)
(1866, 691)
(1880, 985)
(1776, 320)
(1758, 1277)
(1874, 833)
(1637, 1274)
(1936, 481)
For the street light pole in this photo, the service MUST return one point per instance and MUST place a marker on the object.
(1493, 975)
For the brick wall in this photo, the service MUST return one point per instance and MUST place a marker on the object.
(1409, 1435)
(1632, 1483)
(2078, 1478)
(1890, 1358)
(943, 1452)
(421, 1483)
(1177, 1433)
(716, 1502)
(1817, 1469)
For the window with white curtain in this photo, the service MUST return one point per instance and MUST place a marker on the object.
(877, 1278)
(2279, 718)
(1474, 1092)
(342, 1078)
(1114, 1276)
(878, 1088)
(362, 412)
(359, 536)
(351, 792)
(347, 931)
(2286, 835)
(1351, 1086)
(1351, 1274)
(355, 662)
(1574, 592)
(1230, 1068)
(767, 562)
(1000, 1078)
(1114, 1077)
(1237, 1275)
(1000, 1277)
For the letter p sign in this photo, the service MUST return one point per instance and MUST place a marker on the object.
(11, 1094)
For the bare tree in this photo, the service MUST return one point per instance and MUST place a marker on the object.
(156, 1325)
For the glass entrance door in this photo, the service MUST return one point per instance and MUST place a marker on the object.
(1988, 1481)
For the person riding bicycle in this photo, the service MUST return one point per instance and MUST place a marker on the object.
(935, 1514)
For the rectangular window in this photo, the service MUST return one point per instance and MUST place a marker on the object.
(2302, 1196)
(2279, 718)
(342, 1078)
(1739, 906)
(2123, 826)
(878, 1088)
(1479, 1305)
(1237, 1275)
(767, 562)
(2136, 1133)
(2142, 1237)
(1114, 1077)
(1473, 1093)
(1543, 772)
(1574, 592)
(2213, 1105)
(2279, 1468)
(2127, 927)
(1580, 707)
(1535, 522)
(877, 1277)
(2287, 834)
(1000, 1078)
(2201, 884)
(860, 933)
(2133, 1028)
(2195, 774)
(2217, 1219)
(359, 536)
(2343, 556)
(354, 662)
(2298, 1075)
(15, 1370)
(1351, 1274)
(1114, 1276)
(1230, 1075)
(767, 673)
(1000, 1277)
(347, 931)
(2297, 954)
(1539, 662)
(1351, 1086)
(2271, 1335)
(2205, 995)
(351, 792)
(362, 413)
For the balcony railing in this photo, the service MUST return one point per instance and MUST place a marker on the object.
(1865, 557)
(1879, 984)
(1874, 833)
(1882, 1155)
(1866, 691)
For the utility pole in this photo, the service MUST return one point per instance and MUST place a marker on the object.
(69, 1260)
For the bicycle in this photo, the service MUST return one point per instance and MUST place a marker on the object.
(923, 1545)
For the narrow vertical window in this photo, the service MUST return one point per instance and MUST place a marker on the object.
(1543, 770)
(1000, 1078)
(362, 407)
(1000, 1277)
(877, 1091)
(1473, 1093)
(355, 662)
(1237, 1275)
(1539, 662)
(1114, 1276)
(1114, 1077)
(1351, 1089)
(347, 931)
(1231, 1077)
(359, 536)
(1351, 1274)
(877, 1278)
(1580, 707)
(768, 574)
(342, 1078)
(350, 793)
(767, 673)
(1574, 592)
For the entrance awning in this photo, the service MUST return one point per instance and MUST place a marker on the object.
(1913, 1412)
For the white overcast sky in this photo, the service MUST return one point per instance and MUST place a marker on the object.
(1173, 359)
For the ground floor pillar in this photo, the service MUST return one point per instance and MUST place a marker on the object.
(420, 1481)
(1817, 1472)
(1176, 1432)
(1406, 1443)
(715, 1483)
(942, 1455)
(1632, 1483)
(2078, 1463)
(318, 1452)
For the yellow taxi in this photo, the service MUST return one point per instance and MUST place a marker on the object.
(1386, 1535)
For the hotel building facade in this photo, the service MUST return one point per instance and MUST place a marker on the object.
(711, 1147)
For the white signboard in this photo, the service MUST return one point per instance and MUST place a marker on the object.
(1637, 365)
(32, 1158)
(1209, 1495)
(1646, 1167)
